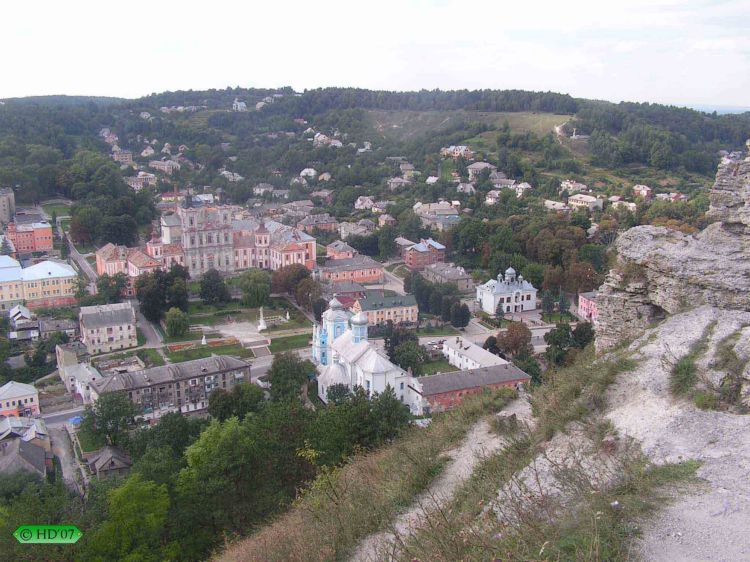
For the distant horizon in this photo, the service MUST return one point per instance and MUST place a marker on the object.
(721, 109)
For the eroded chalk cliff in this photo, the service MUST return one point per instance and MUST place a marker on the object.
(661, 271)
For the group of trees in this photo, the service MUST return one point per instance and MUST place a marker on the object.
(514, 344)
(439, 299)
(563, 342)
(194, 482)
(159, 291)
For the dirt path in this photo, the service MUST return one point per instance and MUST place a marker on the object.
(63, 450)
(480, 442)
(711, 522)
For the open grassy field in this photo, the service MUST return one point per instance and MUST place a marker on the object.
(279, 345)
(440, 365)
(407, 125)
(59, 208)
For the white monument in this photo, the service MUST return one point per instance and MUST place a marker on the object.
(261, 321)
(203, 340)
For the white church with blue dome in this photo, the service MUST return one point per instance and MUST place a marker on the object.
(345, 356)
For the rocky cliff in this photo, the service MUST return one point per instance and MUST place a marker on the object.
(661, 271)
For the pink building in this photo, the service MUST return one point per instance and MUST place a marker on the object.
(133, 262)
(587, 309)
(18, 399)
(33, 237)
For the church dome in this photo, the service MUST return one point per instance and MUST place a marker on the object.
(510, 271)
(335, 304)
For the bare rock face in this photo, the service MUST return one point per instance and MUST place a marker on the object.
(660, 271)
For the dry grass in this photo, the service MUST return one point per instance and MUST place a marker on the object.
(344, 505)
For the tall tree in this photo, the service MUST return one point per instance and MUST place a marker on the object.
(213, 288)
(287, 375)
(110, 417)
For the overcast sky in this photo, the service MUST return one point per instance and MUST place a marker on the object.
(687, 52)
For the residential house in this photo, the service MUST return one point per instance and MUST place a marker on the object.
(280, 194)
(124, 157)
(379, 309)
(440, 222)
(340, 250)
(572, 187)
(358, 269)
(556, 206)
(23, 324)
(50, 326)
(17, 455)
(325, 195)
(476, 169)
(148, 151)
(457, 152)
(364, 203)
(503, 183)
(447, 273)
(522, 188)
(381, 206)
(322, 221)
(466, 188)
(515, 294)
(238, 105)
(262, 189)
(424, 253)
(403, 244)
(408, 170)
(386, 220)
(431, 180)
(179, 387)
(398, 183)
(18, 399)
(28, 429)
(165, 166)
(109, 462)
(644, 191)
(138, 182)
(309, 173)
(31, 237)
(587, 309)
(588, 202)
(632, 207)
(492, 197)
(108, 327)
(347, 229)
(465, 355)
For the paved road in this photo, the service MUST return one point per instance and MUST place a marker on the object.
(63, 450)
(394, 283)
(153, 338)
(60, 418)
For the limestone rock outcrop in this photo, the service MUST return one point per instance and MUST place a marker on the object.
(661, 271)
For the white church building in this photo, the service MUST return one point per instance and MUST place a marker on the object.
(515, 294)
(345, 356)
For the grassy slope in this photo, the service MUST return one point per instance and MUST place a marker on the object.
(408, 125)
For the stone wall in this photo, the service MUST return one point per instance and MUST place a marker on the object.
(661, 271)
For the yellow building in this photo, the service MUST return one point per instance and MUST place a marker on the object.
(46, 284)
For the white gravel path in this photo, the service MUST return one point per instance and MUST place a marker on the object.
(480, 442)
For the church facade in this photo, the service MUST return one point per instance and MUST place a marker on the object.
(345, 356)
(515, 294)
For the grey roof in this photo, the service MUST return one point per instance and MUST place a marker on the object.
(17, 455)
(379, 302)
(105, 315)
(357, 262)
(473, 378)
(109, 458)
(341, 246)
(53, 325)
(323, 218)
(591, 295)
(170, 220)
(401, 241)
(170, 373)
(448, 271)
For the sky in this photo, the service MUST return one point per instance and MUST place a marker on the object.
(683, 52)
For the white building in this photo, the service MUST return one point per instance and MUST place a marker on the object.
(583, 201)
(238, 105)
(514, 293)
(345, 356)
(467, 355)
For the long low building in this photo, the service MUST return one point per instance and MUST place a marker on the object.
(447, 390)
(108, 327)
(358, 269)
(399, 309)
(178, 387)
(45, 284)
(465, 354)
